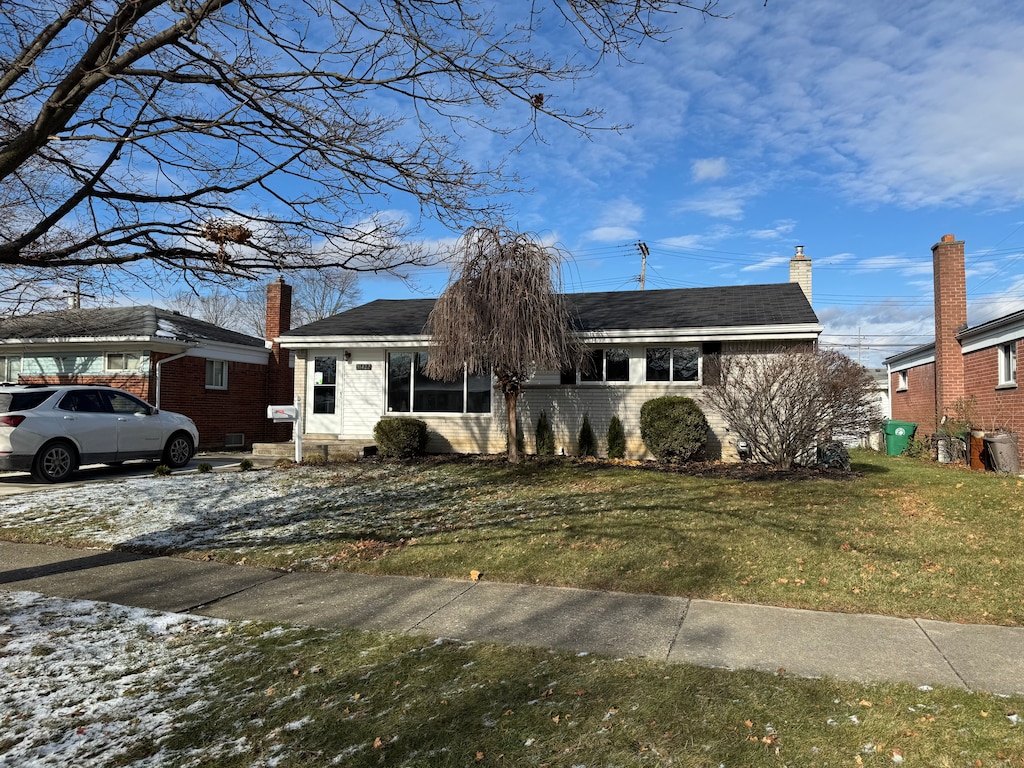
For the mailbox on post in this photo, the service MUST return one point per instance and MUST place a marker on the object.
(292, 414)
(282, 412)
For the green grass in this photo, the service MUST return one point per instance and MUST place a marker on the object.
(309, 697)
(902, 537)
(905, 538)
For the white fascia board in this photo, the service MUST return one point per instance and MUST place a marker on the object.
(97, 344)
(804, 331)
(993, 338)
(924, 357)
(232, 353)
(354, 342)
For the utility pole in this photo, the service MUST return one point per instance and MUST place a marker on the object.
(644, 253)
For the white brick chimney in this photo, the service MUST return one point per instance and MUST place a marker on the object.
(800, 271)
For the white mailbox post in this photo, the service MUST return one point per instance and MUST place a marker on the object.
(293, 414)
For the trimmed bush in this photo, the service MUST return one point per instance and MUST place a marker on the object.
(545, 436)
(587, 442)
(245, 465)
(204, 468)
(401, 437)
(616, 439)
(161, 470)
(674, 428)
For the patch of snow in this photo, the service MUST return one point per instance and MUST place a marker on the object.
(80, 678)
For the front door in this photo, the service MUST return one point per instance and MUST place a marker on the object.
(323, 414)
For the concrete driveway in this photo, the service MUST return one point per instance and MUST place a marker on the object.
(12, 483)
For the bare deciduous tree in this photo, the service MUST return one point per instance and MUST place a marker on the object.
(316, 294)
(502, 312)
(230, 137)
(781, 402)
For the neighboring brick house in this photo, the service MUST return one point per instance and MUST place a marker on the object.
(356, 367)
(222, 379)
(973, 366)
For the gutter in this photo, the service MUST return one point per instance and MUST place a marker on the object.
(159, 365)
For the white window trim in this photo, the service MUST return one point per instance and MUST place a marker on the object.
(6, 377)
(224, 364)
(902, 381)
(1008, 365)
(124, 355)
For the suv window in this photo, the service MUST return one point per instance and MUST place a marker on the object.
(84, 401)
(23, 401)
(120, 403)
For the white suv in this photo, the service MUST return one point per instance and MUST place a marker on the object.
(52, 429)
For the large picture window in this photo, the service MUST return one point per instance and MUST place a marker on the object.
(605, 365)
(410, 390)
(673, 364)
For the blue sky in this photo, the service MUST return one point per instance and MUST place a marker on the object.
(863, 131)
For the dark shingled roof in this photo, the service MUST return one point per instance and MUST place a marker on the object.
(721, 307)
(119, 322)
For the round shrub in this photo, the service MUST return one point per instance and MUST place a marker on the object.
(673, 428)
(616, 439)
(204, 468)
(401, 437)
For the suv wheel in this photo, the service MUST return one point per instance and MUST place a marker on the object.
(178, 451)
(55, 462)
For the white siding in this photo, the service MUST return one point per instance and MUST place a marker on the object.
(362, 393)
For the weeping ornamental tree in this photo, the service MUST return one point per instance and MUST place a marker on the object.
(502, 312)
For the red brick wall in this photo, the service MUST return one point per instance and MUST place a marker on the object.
(281, 376)
(917, 402)
(950, 319)
(995, 408)
(242, 407)
(137, 385)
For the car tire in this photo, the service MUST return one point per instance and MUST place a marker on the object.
(55, 462)
(179, 450)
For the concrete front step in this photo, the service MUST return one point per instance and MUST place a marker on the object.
(312, 445)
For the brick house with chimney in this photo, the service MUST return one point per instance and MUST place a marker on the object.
(223, 380)
(975, 366)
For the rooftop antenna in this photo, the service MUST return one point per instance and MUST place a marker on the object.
(644, 253)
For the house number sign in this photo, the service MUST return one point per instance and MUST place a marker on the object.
(364, 366)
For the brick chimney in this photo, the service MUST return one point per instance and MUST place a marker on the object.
(950, 319)
(280, 374)
(800, 272)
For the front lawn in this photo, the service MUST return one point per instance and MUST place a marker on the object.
(902, 537)
(93, 684)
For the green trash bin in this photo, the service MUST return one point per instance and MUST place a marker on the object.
(898, 435)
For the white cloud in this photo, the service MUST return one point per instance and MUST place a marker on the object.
(719, 203)
(710, 169)
(612, 234)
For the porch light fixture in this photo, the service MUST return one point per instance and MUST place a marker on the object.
(347, 356)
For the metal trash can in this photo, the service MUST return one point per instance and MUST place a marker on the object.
(1002, 453)
(897, 436)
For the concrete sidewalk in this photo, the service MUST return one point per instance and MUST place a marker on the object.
(667, 629)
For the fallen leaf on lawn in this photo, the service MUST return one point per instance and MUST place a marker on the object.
(865, 703)
(377, 743)
(749, 724)
(479, 756)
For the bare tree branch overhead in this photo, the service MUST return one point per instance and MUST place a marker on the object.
(229, 137)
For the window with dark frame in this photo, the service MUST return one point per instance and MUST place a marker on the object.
(604, 365)
(672, 364)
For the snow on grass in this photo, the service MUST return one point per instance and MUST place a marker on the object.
(243, 510)
(82, 681)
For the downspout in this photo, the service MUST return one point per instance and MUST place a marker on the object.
(159, 365)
